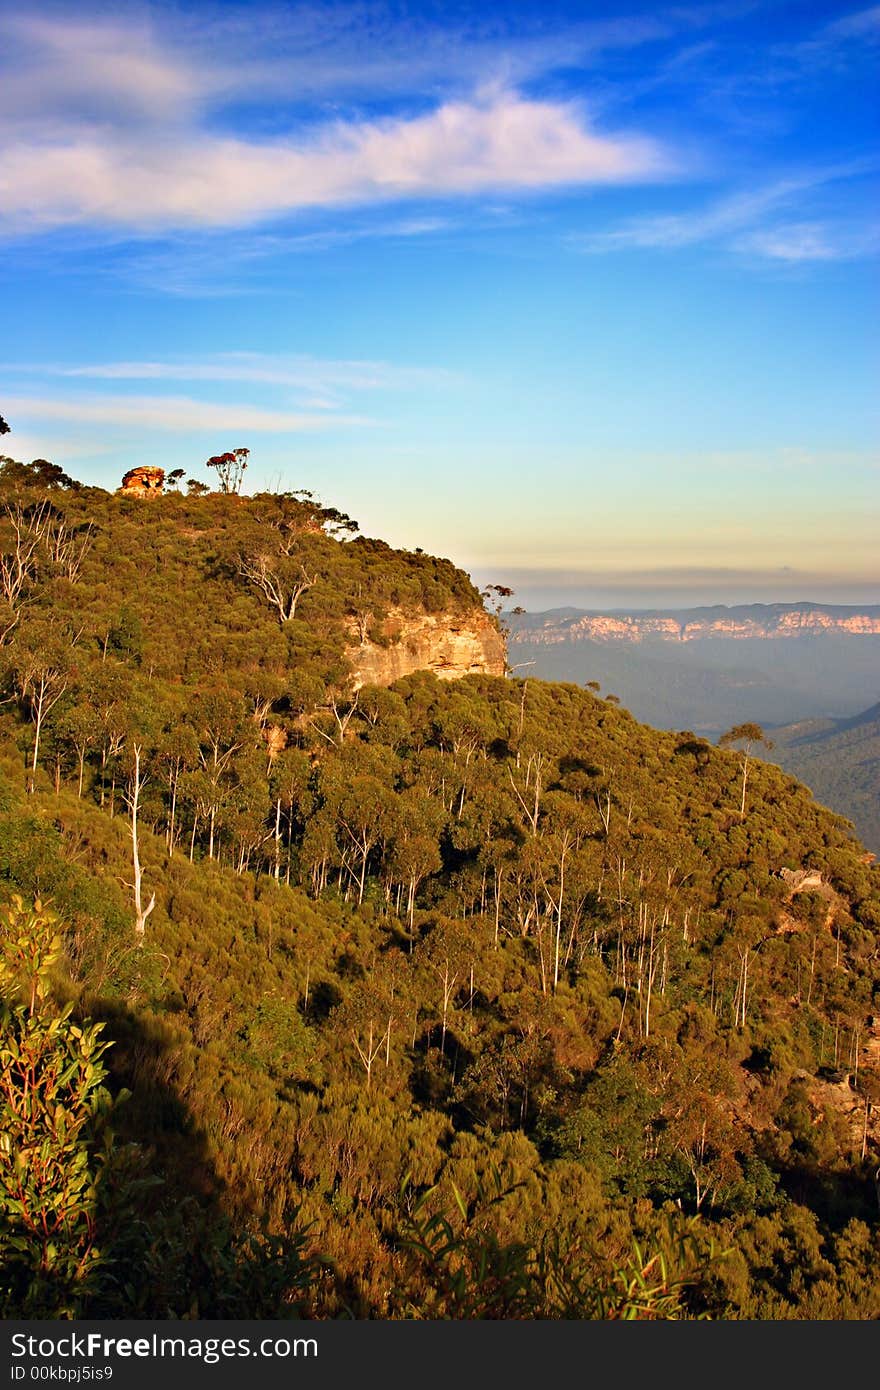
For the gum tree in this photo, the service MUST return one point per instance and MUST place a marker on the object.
(748, 734)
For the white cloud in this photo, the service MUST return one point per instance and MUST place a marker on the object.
(811, 241)
(794, 241)
(132, 180)
(689, 228)
(298, 371)
(170, 413)
(136, 123)
(740, 222)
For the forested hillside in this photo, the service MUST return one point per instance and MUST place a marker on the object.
(839, 759)
(462, 999)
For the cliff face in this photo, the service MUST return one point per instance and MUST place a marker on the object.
(777, 621)
(449, 645)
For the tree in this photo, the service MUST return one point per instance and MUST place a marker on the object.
(280, 579)
(222, 730)
(749, 734)
(52, 475)
(42, 670)
(4, 428)
(494, 595)
(18, 562)
(132, 797)
(230, 468)
(364, 815)
(174, 479)
(195, 488)
(53, 1116)
(40, 473)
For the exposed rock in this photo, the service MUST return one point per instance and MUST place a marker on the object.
(276, 741)
(852, 1095)
(143, 482)
(449, 644)
(801, 880)
(759, 621)
(810, 881)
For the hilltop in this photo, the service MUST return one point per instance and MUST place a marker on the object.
(409, 982)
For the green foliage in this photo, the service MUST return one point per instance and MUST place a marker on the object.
(445, 929)
(54, 1142)
(458, 1267)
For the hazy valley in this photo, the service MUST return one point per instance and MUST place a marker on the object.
(809, 673)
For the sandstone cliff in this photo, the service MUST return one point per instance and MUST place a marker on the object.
(450, 645)
(761, 621)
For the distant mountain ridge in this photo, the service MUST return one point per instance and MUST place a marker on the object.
(738, 622)
(706, 668)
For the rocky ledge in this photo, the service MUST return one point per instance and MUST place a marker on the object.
(449, 645)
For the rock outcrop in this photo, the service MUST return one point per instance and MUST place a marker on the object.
(142, 482)
(802, 880)
(448, 644)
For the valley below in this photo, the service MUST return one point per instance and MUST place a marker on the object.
(808, 673)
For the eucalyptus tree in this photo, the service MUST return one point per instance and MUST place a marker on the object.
(280, 578)
(42, 667)
(20, 538)
(230, 468)
(748, 734)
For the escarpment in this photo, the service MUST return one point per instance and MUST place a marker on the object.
(763, 621)
(450, 645)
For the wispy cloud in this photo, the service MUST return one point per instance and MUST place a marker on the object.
(298, 371)
(165, 60)
(58, 70)
(210, 264)
(171, 413)
(741, 223)
(811, 241)
(289, 393)
(859, 25)
(55, 442)
(834, 42)
(119, 125)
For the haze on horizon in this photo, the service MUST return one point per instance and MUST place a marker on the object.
(583, 298)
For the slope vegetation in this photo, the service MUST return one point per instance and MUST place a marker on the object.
(431, 1000)
(839, 759)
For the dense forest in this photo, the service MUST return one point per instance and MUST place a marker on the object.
(469, 999)
(839, 759)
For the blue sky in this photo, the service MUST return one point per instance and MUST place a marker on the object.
(583, 296)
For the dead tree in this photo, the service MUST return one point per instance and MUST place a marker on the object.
(280, 586)
(133, 796)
